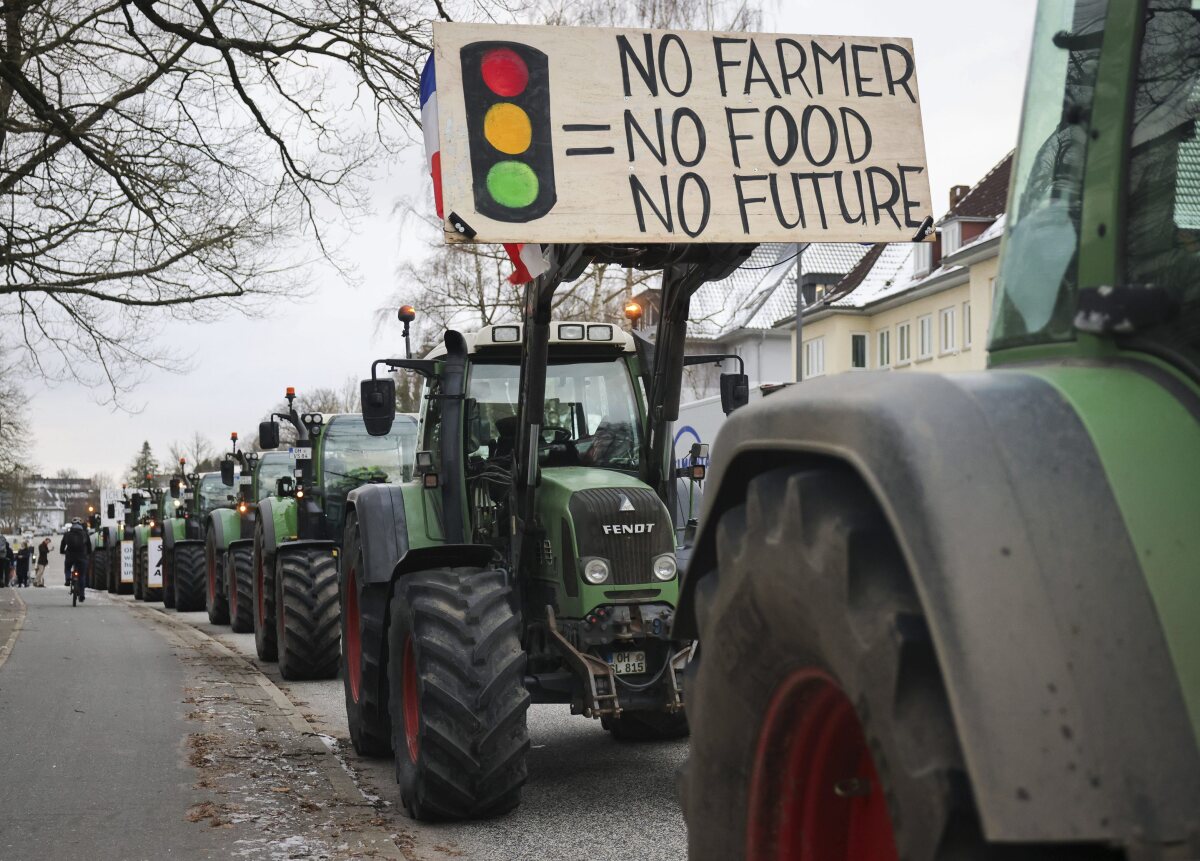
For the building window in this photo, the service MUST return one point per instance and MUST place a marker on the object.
(858, 350)
(966, 325)
(903, 344)
(814, 357)
(922, 258)
(951, 237)
(884, 347)
(947, 333)
(925, 336)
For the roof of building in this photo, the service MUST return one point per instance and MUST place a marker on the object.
(763, 289)
(988, 198)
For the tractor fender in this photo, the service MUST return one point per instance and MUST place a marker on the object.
(1065, 699)
(223, 524)
(267, 515)
(443, 556)
(382, 526)
(173, 530)
(240, 543)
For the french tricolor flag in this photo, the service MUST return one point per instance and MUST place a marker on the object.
(528, 260)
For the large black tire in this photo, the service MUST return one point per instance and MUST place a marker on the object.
(263, 588)
(99, 570)
(458, 700)
(307, 631)
(215, 600)
(364, 673)
(239, 575)
(140, 567)
(647, 726)
(168, 590)
(811, 585)
(188, 575)
(114, 569)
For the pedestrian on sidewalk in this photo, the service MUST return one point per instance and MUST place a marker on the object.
(23, 556)
(3, 561)
(43, 559)
(7, 565)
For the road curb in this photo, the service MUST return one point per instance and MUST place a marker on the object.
(379, 842)
(18, 624)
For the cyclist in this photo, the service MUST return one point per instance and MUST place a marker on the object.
(76, 547)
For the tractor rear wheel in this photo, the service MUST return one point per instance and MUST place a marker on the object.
(647, 726)
(140, 590)
(168, 587)
(263, 599)
(215, 601)
(239, 576)
(188, 571)
(306, 612)
(114, 569)
(364, 676)
(821, 728)
(458, 700)
(99, 571)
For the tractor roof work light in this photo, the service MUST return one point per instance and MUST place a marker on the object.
(633, 311)
(406, 314)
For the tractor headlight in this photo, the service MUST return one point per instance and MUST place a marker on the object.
(665, 567)
(595, 571)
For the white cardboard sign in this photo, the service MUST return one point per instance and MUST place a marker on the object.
(571, 134)
(127, 561)
(154, 548)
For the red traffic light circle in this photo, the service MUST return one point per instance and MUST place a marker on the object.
(504, 72)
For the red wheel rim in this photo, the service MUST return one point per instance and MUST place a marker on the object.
(412, 707)
(212, 578)
(353, 637)
(815, 794)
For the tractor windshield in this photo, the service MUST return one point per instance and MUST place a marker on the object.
(591, 415)
(213, 493)
(270, 470)
(1035, 299)
(351, 457)
(1162, 250)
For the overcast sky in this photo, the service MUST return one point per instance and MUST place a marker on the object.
(971, 61)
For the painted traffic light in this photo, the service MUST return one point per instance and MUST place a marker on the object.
(506, 88)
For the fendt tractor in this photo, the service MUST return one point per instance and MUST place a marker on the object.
(103, 530)
(534, 558)
(259, 476)
(184, 552)
(955, 616)
(222, 523)
(121, 568)
(301, 525)
(148, 544)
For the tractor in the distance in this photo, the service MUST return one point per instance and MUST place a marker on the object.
(300, 527)
(259, 475)
(187, 572)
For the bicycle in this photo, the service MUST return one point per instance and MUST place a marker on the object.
(77, 593)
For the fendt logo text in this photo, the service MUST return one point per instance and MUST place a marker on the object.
(627, 528)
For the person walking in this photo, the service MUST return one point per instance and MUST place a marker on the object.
(43, 559)
(6, 556)
(23, 556)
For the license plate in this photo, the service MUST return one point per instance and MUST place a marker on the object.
(302, 453)
(628, 663)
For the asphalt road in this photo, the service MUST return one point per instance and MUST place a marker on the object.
(587, 796)
(91, 761)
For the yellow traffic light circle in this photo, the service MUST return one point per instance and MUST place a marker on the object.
(507, 128)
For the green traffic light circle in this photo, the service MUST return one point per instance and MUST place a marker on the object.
(512, 184)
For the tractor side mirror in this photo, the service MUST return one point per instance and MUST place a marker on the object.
(112, 511)
(174, 489)
(378, 405)
(268, 434)
(227, 472)
(735, 392)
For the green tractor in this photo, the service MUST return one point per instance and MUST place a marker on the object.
(103, 528)
(126, 511)
(299, 530)
(148, 545)
(955, 616)
(534, 557)
(259, 476)
(185, 559)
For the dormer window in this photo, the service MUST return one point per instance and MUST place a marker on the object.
(951, 237)
(922, 259)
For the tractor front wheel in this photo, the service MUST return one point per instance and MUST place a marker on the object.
(215, 602)
(458, 700)
(239, 576)
(263, 599)
(114, 569)
(306, 612)
(99, 571)
(364, 678)
(821, 727)
(141, 591)
(188, 575)
(168, 587)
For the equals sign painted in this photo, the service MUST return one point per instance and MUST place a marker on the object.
(588, 127)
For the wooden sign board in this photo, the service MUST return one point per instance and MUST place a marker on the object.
(569, 134)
